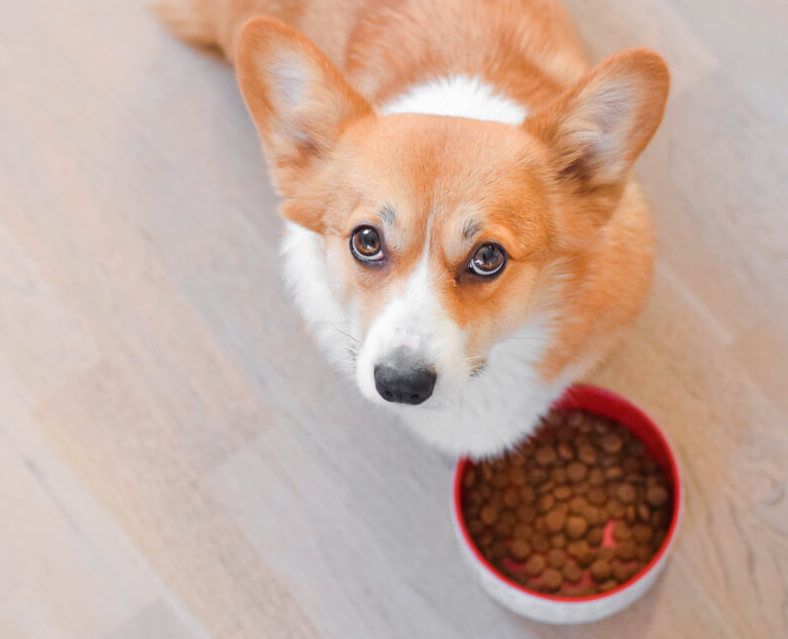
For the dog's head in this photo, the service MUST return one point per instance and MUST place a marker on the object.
(437, 228)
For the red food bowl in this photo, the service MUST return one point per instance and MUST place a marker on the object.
(564, 610)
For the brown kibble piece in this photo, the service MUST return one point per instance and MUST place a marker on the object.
(587, 454)
(644, 514)
(607, 553)
(597, 496)
(576, 527)
(608, 585)
(565, 451)
(536, 475)
(626, 493)
(600, 570)
(552, 579)
(470, 477)
(556, 557)
(642, 533)
(535, 565)
(576, 471)
(626, 550)
(577, 505)
(614, 472)
(546, 502)
(523, 531)
(595, 535)
(581, 552)
(520, 549)
(511, 497)
(489, 515)
(622, 571)
(614, 508)
(545, 455)
(539, 543)
(621, 531)
(596, 477)
(527, 513)
(562, 493)
(558, 540)
(554, 520)
(612, 443)
(572, 572)
(656, 495)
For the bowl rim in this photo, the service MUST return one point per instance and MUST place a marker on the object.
(678, 500)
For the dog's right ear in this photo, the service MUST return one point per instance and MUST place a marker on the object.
(299, 101)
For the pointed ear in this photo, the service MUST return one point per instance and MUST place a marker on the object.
(598, 128)
(299, 101)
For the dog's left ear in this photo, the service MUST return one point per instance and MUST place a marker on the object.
(299, 101)
(598, 128)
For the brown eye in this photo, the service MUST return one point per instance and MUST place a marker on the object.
(489, 259)
(365, 244)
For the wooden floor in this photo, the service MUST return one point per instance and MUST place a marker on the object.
(176, 460)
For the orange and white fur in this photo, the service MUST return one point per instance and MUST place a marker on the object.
(462, 231)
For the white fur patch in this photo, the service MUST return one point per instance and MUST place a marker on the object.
(459, 96)
(414, 320)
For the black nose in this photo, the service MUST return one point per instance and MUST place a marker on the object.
(404, 386)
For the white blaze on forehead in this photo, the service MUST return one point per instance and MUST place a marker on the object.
(414, 319)
(459, 96)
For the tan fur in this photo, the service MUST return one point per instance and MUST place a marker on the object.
(555, 192)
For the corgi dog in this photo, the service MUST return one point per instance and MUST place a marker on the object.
(463, 234)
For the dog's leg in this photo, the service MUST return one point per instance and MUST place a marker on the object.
(217, 23)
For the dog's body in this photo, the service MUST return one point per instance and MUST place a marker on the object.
(436, 141)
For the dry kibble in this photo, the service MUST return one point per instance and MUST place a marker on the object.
(546, 502)
(489, 515)
(540, 543)
(626, 550)
(558, 476)
(626, 493)
(572, 572)
(576, 471)
(600, 570)
(621, 531)
(597, 496)
(642, 533)
(594, 536)
(612, 443)
(614, 472)
(565, 451)
(537, 476)
(520, 549)
(622, 571)
(498, 550)
(538, 515)
(576, 527)
(552, 579)
(644, 514)
(607, 553)
(556, 558)
(596, 477)
(511, 498)
(546, 455)
(656, 495)
(587, 454)
(608, 585)
(535, 565)
(577, 505)
(554, 520)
